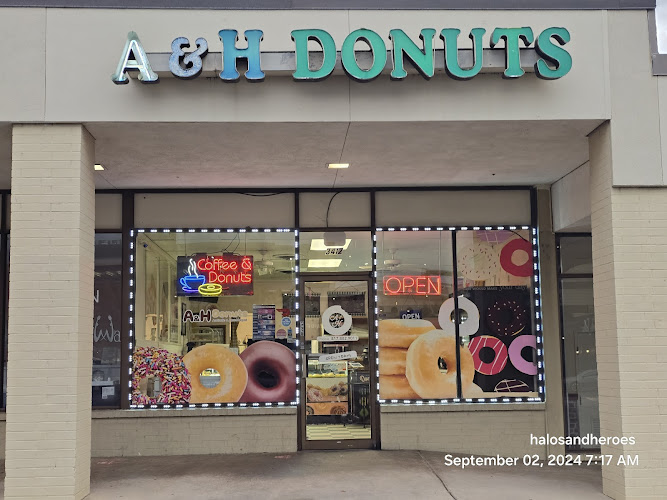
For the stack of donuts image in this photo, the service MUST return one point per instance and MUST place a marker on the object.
(411, 354)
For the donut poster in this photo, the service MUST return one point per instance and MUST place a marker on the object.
(503, 349)
(417, 358)
(494, 258)
(265, 372)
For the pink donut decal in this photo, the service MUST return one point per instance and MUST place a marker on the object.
(499, 360)
(517, 360)
(507, 252)
(271, 373)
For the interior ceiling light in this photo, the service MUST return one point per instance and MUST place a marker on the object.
(324, 263)
(338, 165)
(98, 166)
(317, 244)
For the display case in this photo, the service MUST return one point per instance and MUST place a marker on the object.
(327, 387)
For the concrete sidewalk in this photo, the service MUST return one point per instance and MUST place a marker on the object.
(334, 475)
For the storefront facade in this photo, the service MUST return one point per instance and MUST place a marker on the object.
(244, 296)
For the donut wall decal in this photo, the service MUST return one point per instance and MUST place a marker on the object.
(174, 380)
(494, 258)
(499, 340)
(418, 361)
(265, 372)
(468, 327)
(505, 313)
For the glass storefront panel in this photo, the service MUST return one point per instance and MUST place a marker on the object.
(215, 318)
(576, 255)
(335, 251)
(338, 396)
(498, 344)
(581, 376)
(107, 320)
(497, 353)
(414, 279)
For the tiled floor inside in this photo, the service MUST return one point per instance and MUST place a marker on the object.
(337, 432)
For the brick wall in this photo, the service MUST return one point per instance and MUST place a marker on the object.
(629, 228)
(50, 312)
(193, 432)
(503, 430)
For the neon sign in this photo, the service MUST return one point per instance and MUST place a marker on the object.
(214, 275)
(412, 285)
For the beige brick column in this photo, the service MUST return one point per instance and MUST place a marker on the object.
(50, 312)
(629, 228)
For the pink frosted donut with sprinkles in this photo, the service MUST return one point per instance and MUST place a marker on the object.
(499, 360)
(168, 367)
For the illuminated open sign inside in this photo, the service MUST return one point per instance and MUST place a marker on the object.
(412, 285)
(213, 275)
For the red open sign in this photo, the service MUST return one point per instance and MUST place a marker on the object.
(412, 285)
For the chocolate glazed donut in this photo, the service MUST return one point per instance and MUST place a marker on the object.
(271, 373)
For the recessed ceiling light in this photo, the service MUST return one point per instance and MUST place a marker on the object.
(99, 166)
(324, 262)
(338, 165)
(318, 244)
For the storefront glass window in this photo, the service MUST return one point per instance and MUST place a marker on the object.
(215, 317)
(576, 255)
(414, 279)
(107, 320)
(497, 353)
(578, 337)
(495, 271)
(336, 251)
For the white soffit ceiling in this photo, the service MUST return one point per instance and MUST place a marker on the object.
(289, 155)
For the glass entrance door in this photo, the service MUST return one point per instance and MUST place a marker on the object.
(337, 396)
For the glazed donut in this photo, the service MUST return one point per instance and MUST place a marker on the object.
(499, 359)
(401, 332)
(396, 387)
(210, 289)
(271, 373)
(423, 372)
(392, 361)
(511, 385)
(515, 349)
(506, 317)
(478, 262)
(168, 367)
(233, 374)
(512, 246)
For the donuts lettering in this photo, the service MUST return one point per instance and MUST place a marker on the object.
(506, 254)
(506, 317)
(517, 360)
(168, 367)
(499, 359)
(423, 370)
(271, 373)
(401, 333)
(392, 361)
(232, 370)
